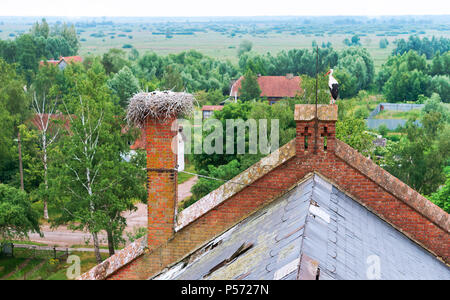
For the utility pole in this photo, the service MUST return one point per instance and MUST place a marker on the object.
(20, 161)
(316, 124)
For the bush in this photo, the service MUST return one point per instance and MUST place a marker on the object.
(361, 113)
(383, 130)
(384, 43)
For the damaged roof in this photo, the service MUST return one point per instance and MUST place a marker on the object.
(314, 231)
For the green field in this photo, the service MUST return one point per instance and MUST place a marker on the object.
(224, 47)
(221, 40)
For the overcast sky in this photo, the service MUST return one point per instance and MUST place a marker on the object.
(192, 8)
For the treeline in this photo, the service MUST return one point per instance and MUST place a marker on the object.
(422, 46)
(189, 71)
(354, 65)
(405, 77)
(42, 42)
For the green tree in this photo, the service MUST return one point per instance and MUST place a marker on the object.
(348, 84)
(27, 56)
(42, 29)
(57, 46)
(225, 172)
(134, 55)
(8, 51)
(440, 84)
(353, 132)
(48, 131)
(422, 46)
(418, 159)
(124, 85)
(442, 196)
(359, 66)
(172, 80)
(17, 217)
(92, 182)
(356, 40)
(213, 97)
(69, 33)
(244, 46)
(440, 64)
(406, 86)
(404, 77)
(308, 93)
(14, 110)
(226, 166)
(384, 43)
(114, 60)
(249, 89)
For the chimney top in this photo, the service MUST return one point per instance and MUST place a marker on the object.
(289, 75)
(307, 112)
(159, 106)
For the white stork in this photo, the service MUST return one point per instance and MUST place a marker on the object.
(334, 86)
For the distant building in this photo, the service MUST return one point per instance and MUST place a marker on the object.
(208, 110)
(380, 142)
(62, 62)
(274, 88)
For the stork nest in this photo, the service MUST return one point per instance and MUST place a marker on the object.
(160, 105)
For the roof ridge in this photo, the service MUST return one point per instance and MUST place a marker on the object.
(116, 261)
(345, 152)
(393, 185)
(228, 189)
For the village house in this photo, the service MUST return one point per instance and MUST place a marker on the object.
(62, 62)
(274, 88)
(208, 110)
(314, 209)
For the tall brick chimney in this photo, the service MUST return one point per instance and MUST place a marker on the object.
(157, 113)
(162, 180)
(307, 141)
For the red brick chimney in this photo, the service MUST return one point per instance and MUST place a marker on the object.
(162, 180)
(307, 141)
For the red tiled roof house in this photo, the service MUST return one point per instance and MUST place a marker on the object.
(62, 62)
(273, 88)
(208, 110)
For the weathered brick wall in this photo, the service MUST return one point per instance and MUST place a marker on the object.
(162, 181)
(378, 198)
(250, 199)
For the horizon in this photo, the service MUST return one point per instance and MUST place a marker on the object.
(232, 8)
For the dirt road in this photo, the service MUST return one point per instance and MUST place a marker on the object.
(64, 237)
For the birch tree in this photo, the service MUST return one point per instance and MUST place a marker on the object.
(44, 110)
(93, 183)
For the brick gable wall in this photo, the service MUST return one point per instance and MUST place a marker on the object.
(342, 166)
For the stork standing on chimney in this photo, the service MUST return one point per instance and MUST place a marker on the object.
(334, 86)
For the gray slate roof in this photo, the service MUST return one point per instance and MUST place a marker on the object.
(317, 220)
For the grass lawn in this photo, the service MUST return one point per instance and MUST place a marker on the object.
(393, 114)
(43, 266)
(26, 242)
(183, 177)
(9, 264)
